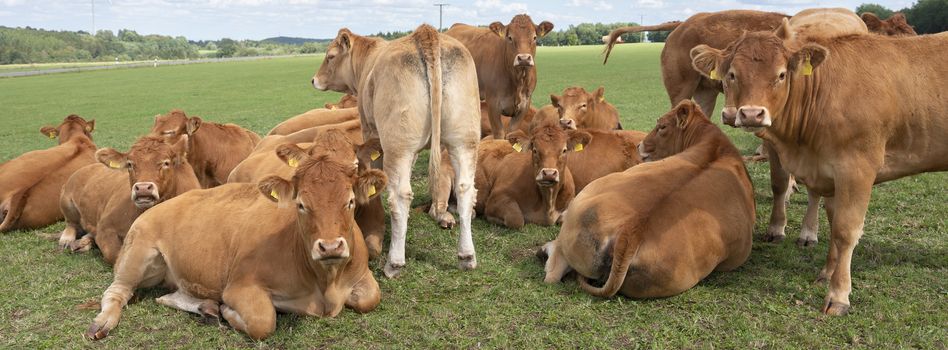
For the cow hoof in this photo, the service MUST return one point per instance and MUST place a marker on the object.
(774, 235)
(806, 242)
(210, 311)
(447, 223)
(80, 245)
(835, 308)
(542, 254)
(467, 262)
(96, 331)
(392, 270)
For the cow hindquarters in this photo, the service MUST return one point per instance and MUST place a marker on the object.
(851, 201)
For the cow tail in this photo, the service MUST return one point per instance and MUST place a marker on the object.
(616, 33)
(426, 37)
(627, 244)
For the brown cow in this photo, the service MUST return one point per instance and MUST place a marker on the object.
(840, 119)
(693, 215)
(30, 184)
(313, 118)
(895, 25)
(352, 128)
(506, 72)
(347, 101)
(533, 184)
(428, 95)
(303, 254)
(608, 152)
(96, 200)
(213, 149)
(336, 143)
(589, 111)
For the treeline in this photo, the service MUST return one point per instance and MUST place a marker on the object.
(582, 34)
(927, 16)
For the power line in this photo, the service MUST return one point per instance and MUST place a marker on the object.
(440, 13)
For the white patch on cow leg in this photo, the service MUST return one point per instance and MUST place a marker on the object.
(556, 267)
(233, 318)
(811, 221)
(463, 160)
(398, 169)
(181, 301)
(67, 237)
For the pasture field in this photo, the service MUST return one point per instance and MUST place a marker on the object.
(900, 268)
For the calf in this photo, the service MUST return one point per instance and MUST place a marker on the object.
(840, 119)
(895, 25)
(608, 152)
(347, 101)
(589, 111)
(213, 149)
(313, 118)
(692, 213)
(300, 251)
(30, 184)
(96, 200)
(533, 184)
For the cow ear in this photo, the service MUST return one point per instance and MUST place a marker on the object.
(577, 140)
(555, 100)
(180, 149)
(897, 18)
(50, 131)
(194, 123)
(344, 39)
(544, 28)
(111, 158)
(783, 31)
(277, 189)
(329, 106)
(599, 96)
(872, 21)
(291, 154)
(813, 53)
(90, 126)
(683, 113)
(369, 185)
(369, 152)
(498, 28)
(706, 60)
(519, 140)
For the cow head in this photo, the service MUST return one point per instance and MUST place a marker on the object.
(896, 25)
(576, 104)
(151, 165)
(174, 125)
(756, 71)
(72, 125)
(521, 37)
(347, 101)
(671, 131)
(335, 144)
(337, 72)
(549, 145)
(325, 193)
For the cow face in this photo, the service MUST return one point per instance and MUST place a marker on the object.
(521, 38)
(72, 125)
(896, 25)
(174, 125)
(576, 103)
(756, 71)
(325, 193)
(336, 72)
(549, 145)
(668, 136)
(151, 166)
(347, 101)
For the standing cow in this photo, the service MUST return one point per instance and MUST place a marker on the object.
(506, 71)
(840, 119)
(415, 91)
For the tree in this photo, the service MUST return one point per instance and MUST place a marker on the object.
(928, 16)
(879, 10)
(226, 47)
(658, 37)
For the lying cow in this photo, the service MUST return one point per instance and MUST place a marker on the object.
(30, 184)
(693, 215)
(313, 118)
(506, 71)
(895, 25)
(607, 152)
(347, 101)
(588, 110)
(213, 149)
(352, 128)
(533, 184)
(837, 128)
(97, 202)
(431, 79)
(300, 251)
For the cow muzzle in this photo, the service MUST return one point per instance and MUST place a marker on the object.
(319, 86)
(729, 115)
(523, 60)
(145, 194)
(330, 251)
(642, 153)
(548, 177)
(568, 124)
(752, 117)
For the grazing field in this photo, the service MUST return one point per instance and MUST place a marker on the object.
(900, 268)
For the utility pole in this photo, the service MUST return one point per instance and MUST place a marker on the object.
(440, 13)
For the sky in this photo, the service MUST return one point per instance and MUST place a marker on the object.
(259, 19)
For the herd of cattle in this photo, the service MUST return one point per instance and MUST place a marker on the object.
(240, 227)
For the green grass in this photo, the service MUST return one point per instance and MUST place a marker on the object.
(900, 270)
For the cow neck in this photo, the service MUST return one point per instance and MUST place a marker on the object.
(322, 276)
(548, 194)
(82, 141)
(701, 143)
(185, 180)
(367, 50)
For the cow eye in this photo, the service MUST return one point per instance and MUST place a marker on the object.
(351, 204)
(534, 38)
(783, 75)
(330, 57)
(300, 207)
(583, 106)
(166, 163)
(731, 76)
(661, 127)
(168, 133)
(509, 38)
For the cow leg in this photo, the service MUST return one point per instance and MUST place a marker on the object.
(831, 257)
(140, 266)
(496, 125)
(249, 309)
(852, 200)
(706, 98)
(365, 294)
(398, 169)
(109, 244)
(811, 221)
(441, 194)
(464, 161)
(780, 185)
(187, 303)
(504, 211)
(556, 266)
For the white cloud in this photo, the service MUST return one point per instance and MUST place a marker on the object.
(602, 6)
(651, 3)
(502, 6)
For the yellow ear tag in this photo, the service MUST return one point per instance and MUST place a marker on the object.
(52, 135)
(293, 162)
(332, 108)
(578, 147)
(517, 147)
(375, 155)
(273, 193)
(602, 99)
(501, 35)
(371, 190)
(807, 67)
(114, 165)
(714, 74)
